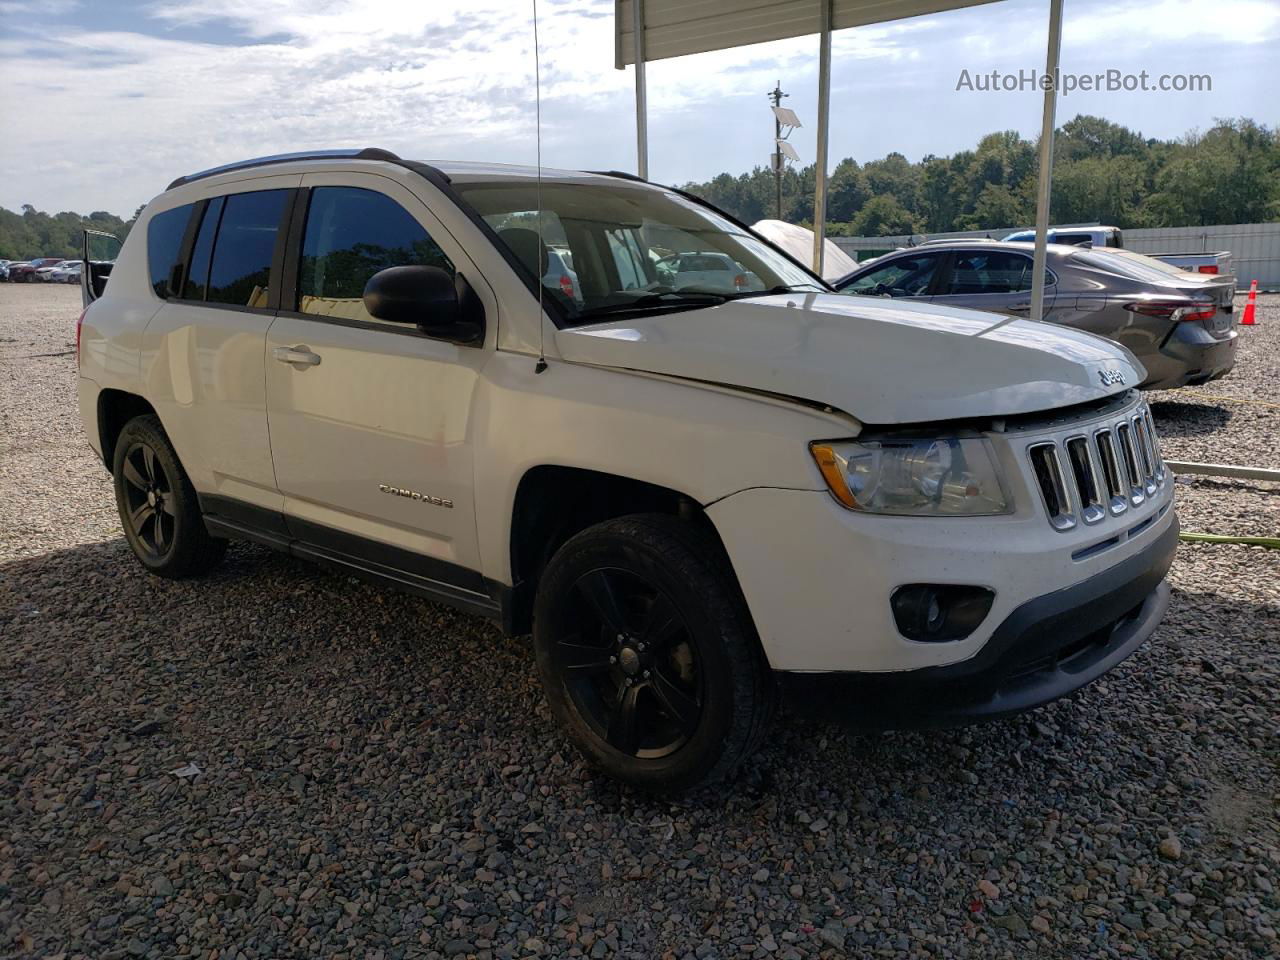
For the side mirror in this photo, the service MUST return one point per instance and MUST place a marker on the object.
(439, 305)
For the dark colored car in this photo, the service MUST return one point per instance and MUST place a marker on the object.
(26, 272)
(1180, 325)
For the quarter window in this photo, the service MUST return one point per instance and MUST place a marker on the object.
(351, 234)
(164, 245)
(240, 269)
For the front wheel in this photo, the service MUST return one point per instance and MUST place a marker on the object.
(158, 506)
(648, 656)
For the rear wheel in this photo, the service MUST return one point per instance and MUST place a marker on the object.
(648, 656)
(159, 510)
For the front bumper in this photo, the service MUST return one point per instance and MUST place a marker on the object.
(1045, 649)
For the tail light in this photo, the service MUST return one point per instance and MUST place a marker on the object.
(79, 324)
(1208, 268)
(566, 285)
(740, 281)
(1175, 310)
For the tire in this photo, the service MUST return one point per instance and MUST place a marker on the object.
(159, 510)
(648, 656)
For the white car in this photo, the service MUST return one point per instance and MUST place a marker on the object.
(696, 501)
(66, 272)
(712, 272)
(46, 274)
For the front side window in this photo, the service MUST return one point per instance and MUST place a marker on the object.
(240, 269)
(902, 277)
(626, 243)
(989, 271)
(164, 245)
(351, 234)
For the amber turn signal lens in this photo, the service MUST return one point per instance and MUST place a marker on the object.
(829, 465)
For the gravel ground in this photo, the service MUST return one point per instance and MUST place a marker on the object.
(379, 777)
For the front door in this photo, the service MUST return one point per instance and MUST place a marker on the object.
(371, 421)
(909, 276)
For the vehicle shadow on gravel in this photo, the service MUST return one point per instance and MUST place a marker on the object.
(1179, 418)
(357, 658)
(365, 738)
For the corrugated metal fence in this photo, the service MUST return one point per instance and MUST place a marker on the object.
(1255, 247)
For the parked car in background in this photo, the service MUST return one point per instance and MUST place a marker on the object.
(4, 269)
(66, 272)
(44, 274)
(26, 272)
(696, 501)
(1113, 238)
(1181, 326)
(709, 272)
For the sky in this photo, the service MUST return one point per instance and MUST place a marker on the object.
(103, 102)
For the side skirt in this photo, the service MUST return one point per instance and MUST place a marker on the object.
(358, 557)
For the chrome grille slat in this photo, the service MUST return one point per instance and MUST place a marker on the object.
(1115, 467)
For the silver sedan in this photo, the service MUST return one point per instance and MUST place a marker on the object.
(1180, 325)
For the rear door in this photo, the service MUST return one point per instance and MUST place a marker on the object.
(99, 256)
(994, 280)
(203, 353)
(371, 421)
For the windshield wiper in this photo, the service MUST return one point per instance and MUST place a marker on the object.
(780, 288)
(651, 300)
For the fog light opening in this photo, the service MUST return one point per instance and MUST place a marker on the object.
(939, 612)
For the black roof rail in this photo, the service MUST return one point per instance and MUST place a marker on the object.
(365, 153)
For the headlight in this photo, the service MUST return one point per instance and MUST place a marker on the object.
(952, 476)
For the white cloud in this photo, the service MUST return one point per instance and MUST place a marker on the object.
(102, 119)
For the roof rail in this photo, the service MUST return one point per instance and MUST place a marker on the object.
(366, 153)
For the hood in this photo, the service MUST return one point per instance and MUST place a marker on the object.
(798, 241)
(882, 361)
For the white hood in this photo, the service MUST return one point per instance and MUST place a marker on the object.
(882, 361)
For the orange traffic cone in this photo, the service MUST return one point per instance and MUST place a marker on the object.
(1247, 320)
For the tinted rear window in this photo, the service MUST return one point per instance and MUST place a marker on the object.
(240, 271)
(164, 244)
(193, 288)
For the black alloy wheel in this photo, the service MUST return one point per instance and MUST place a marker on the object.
(648, 656)
(149, 504)
(631, 664)
(159, 509)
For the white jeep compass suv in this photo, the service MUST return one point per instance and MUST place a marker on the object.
(696, 500)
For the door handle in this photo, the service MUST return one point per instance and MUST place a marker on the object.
(298, 357)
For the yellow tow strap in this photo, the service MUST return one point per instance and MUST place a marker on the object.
(1272, 543)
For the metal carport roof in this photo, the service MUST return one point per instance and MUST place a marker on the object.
(646, 30)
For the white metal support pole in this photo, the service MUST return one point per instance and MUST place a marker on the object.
(1045, 186)
(824, 117)
(642, 99)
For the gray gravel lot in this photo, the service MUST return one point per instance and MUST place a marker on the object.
(380, 778)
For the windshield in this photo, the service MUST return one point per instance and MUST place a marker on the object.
(612, 248)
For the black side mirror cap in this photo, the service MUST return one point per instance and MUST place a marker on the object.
(440, 305)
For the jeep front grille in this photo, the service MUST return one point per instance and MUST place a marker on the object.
(1085, 475)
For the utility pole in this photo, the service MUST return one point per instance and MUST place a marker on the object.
(776, 96)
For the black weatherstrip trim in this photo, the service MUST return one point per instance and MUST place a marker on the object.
(295, 225)
(281, 252)
(183, 265)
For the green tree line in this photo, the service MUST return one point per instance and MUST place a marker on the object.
(34, 233)
(1102, 172)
